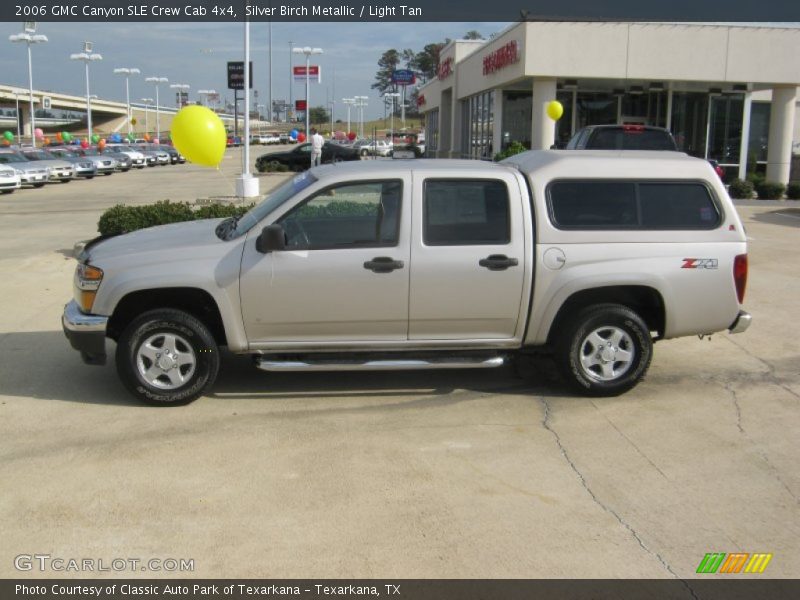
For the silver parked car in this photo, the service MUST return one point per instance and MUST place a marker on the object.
(138, 160)
(30, 172)
(162, 157)
(105, 163)
(58, 169)
(83, 167)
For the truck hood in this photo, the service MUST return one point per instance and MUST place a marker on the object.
(172, 241)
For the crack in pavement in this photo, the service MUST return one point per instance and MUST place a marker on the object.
(771, 376)
(728, 387)
(605, 507)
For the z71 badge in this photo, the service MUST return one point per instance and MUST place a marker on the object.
(700, 263)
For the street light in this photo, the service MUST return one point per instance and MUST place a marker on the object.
(290, 111)
(147, 102)
(361, 102)
(308, 51)
(349, 102)
(391, 95)
(87, 56)
(29, 36)
(127, 72)
(157, 81)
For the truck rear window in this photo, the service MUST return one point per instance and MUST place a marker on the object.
(593, 204)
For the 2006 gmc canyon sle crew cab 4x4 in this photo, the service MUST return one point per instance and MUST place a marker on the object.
(592, 255)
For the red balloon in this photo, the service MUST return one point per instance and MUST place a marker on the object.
(84, 144)
(301, 137)
(351, 136)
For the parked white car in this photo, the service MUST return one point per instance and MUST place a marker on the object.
(9, 179)
(373, 147)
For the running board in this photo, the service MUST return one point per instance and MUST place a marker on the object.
(382, 365)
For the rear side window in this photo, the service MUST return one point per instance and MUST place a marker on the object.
(631, 205)
(631, 139)
(465, 212)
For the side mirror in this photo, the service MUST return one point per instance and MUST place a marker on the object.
(272, 238)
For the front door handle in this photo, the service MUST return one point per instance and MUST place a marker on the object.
(498, 262)
(383, 264)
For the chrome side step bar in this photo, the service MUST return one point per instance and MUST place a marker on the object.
(381, 365)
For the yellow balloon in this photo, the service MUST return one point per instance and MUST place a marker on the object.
(555, 110)
(198, 134)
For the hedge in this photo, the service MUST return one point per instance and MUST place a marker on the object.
(121, 219)
(741, 190)
(513, 148)
(793, 190)
(770, 190)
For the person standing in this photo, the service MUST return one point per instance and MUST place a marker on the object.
(317, 141)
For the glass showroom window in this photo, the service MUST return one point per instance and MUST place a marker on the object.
(432, 132)
(477, 126)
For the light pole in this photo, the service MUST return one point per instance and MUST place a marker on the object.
(391, 95)
(361, 102)
(269, 83)
(308, 51)
(290, 112)
(246, 185)
(147, 103)
(86, 57)
(29, 36)
(349, 102)
(157, 81)
(127, 72)
(179, 87)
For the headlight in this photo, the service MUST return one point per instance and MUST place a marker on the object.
(85, 165)
(19, 172)
(87, 280)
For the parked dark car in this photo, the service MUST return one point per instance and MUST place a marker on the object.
(622, 137)
(299, 157)
(175, 157)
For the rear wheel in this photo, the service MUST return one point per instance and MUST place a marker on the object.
(167, 357)
(38, 185)
(7, 191)
(605, 351)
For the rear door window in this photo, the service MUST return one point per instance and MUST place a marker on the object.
(461, 212)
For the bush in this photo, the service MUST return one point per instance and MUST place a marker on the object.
(739, 189)
(512, 149)
(121, 219)
(770, 190)
(793, 190)
(264, 166)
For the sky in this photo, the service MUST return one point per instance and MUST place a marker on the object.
(197, 53)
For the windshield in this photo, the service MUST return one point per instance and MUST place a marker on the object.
(36, 155)
(12, 157)
(272, 201)
(91, 152)
(63, 153)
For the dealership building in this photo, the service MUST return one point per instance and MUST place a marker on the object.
(726, 92)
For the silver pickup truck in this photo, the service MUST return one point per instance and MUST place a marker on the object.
(388, 265)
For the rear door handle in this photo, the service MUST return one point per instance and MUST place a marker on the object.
(383, 264)
(498, 262)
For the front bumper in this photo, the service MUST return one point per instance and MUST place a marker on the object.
(33, 178)
(86, 333)
(60, 174)
(742, 322)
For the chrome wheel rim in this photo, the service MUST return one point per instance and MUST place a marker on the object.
(607, 353)
(166, 361)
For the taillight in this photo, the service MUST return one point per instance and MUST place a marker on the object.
(720, 171)
(740, 275)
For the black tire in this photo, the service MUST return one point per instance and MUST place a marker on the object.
(38, 185)
(167, 321)
(90, 177)
(66, 180)
(107, 173)
(575, 348)
(7, 191)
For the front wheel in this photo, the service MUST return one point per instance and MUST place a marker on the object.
(605, 351)
(167, 357)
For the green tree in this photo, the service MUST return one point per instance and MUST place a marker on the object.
(319, 115)
(473, 35)
(425, 61)
(386, 65)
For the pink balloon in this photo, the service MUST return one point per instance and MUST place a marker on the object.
(156, 141)
(38, 133)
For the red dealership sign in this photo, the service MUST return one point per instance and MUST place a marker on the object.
(504, 56)
(313, 73)
(421, 100)
(300, 104)
(445, 68)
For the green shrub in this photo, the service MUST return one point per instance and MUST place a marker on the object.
(263, 166)
(121, 219)
(755, 178)
(512, 149)
(793, 190)
(740, 189)
(770, 190)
